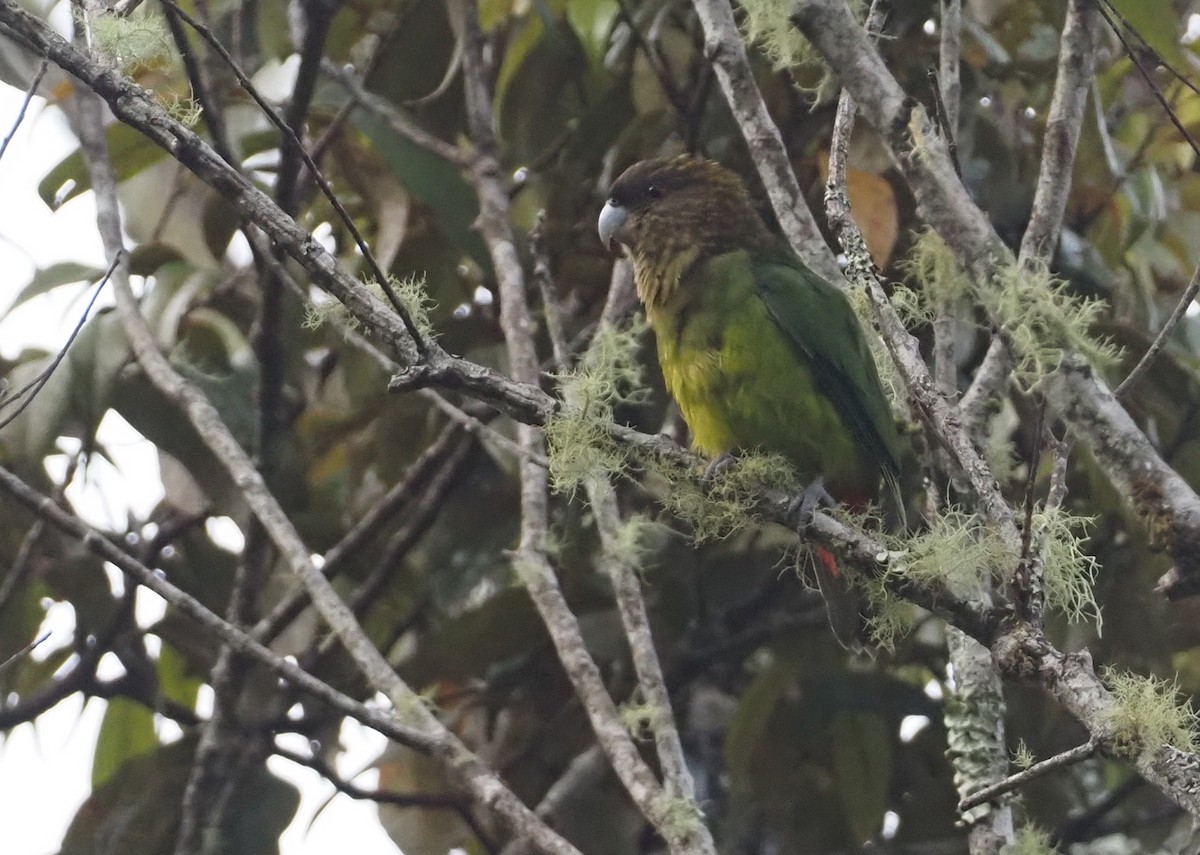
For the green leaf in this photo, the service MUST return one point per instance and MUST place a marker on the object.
(176, 679)
(131, 153)
(54, 276)
(430, 179)
(1157, 23)
(126, 732)
(862, 762)
(749, 724)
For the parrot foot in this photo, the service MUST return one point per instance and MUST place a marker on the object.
(718, 467)
(805, 505)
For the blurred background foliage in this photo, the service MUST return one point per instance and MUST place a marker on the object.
(797, 746)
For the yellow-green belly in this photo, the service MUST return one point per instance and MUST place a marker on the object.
(742, 387)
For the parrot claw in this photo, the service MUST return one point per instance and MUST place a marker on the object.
(718, 467)
(805, 505)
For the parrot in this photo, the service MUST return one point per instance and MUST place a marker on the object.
(759, 351)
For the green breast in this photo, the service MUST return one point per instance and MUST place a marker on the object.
(742, 385)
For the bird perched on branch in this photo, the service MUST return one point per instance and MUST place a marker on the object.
(760, 352)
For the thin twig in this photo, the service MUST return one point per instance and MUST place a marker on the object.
(1106, 10)
(30, 390)
(1164, 334)
(1058, 761)
(399, 122)
(943, 119)
(28, 648)
(658, 67)
(29, 93)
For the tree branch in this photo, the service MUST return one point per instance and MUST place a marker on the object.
(724, 48)
(1058, 761)
(1076, 61)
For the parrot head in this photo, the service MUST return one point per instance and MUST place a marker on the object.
(671, 212)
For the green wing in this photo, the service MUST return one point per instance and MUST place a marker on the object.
(820, 325)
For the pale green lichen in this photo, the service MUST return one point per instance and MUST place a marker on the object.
(579, 444)
(640, 719)
(1148, 713)
(1039, 315)
(723, 503)
(1022, 757)
(1043, 320)
(680, 817)
(1068, 572)
(1029, 840)
(632, 541)
(139, 41)
(185, 110)
(958, 551)
(890, 616)
(931, 263)
(414, 297)
(410, 292)
(768, 24)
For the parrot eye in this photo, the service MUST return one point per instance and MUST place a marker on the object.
(654, 191)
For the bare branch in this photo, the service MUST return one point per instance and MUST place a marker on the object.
(1076, 61)
(1058, 761)
(724, 48)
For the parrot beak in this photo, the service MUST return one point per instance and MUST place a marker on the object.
(612, 227)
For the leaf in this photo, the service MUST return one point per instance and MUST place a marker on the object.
(873, 205)
(749, 724)
(137, 809)
(1157, 23)
(126, 732)
(862, 763)
(430, 179)
(54, 276)
(419, 831)
(131, 152)
(177, 680)
(75, 396)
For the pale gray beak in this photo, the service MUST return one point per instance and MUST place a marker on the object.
(612, 226)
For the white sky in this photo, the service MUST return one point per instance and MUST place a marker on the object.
(45, 769)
